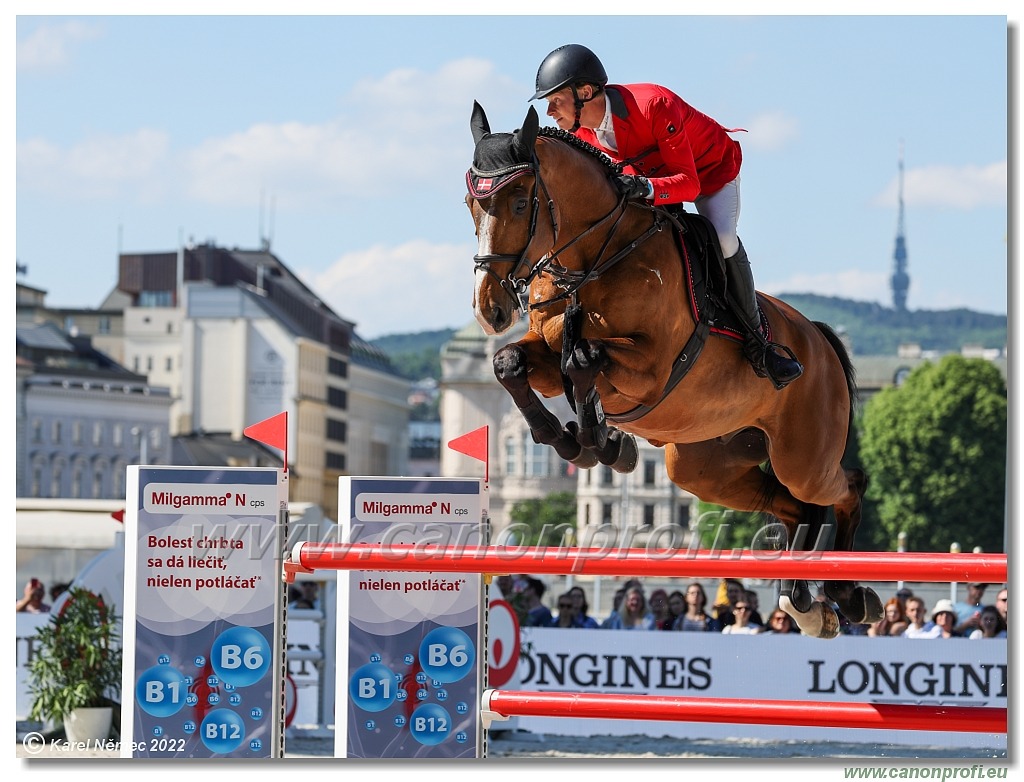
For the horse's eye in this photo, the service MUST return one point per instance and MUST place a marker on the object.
(519, 205)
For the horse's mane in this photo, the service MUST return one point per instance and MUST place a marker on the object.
(577, 143)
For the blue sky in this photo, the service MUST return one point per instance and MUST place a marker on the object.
(345, 140)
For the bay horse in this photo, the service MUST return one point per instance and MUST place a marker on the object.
(607, 287)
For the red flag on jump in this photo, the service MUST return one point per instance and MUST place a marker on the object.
(273, 432)
(474, 444)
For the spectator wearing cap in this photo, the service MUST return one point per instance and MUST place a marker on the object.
(917, 612)
(944, 617)
(968, 612)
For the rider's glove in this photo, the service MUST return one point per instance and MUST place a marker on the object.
(634, 187)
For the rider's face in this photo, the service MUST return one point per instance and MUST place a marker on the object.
(562, 109)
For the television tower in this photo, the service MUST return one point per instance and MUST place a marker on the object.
(900, 280)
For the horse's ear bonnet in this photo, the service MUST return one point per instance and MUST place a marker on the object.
(499, 158)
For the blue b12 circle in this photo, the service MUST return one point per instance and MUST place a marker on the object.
(430, 724)
(240, 656)
(372, 687)
(161, 691)
(222, 731)
(447, 654)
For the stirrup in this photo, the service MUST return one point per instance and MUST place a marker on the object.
(766, 361)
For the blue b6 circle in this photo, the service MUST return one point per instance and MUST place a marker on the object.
(240, 656)
(447, 654)
(161, 691)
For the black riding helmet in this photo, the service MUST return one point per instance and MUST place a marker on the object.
(568, 65)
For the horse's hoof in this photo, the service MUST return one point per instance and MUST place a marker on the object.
(585, 460)
(798, 593)
(629, 454)
(861, 605)
(874, 611)
(819, 621)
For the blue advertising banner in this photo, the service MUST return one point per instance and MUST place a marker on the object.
(409, 676)
(204, 607)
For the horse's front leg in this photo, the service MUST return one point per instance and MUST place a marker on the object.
(512, 368)
(582, 366)
(612, 446)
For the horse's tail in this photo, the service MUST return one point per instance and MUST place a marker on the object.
(847, 363)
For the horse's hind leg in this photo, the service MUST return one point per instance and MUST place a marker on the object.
(861, 605)
(728, 472)
(510, 368)
(814, 618)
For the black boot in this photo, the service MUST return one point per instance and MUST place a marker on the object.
(762, 354)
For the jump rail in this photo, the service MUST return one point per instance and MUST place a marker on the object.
(502, 704)
(847, 566)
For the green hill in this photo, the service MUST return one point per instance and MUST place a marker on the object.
(415, 355)
(878, 331)
(873, 329)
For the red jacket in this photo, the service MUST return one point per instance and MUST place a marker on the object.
(683, 152)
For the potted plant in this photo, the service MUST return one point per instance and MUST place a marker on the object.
(75, 676)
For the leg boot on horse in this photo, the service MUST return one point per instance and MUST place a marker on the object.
(762, 355)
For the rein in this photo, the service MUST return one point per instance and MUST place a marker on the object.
(570, 281)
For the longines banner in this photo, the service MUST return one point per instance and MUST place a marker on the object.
(857, 669)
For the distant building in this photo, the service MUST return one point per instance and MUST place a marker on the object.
(234, 337)
(82, 418)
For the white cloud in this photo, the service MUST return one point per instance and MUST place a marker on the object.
(848, 284)
(770, 131)
(416, 286)
(958, 187)
(50, 46)
(102, 166)
(402, 129)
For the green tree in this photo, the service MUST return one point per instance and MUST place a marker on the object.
(935, 451)
(544, 521)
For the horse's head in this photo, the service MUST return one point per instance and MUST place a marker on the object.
(502, 198)
(528, 192)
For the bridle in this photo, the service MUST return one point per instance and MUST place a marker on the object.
(569, 281)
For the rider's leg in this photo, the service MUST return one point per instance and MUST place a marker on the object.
(762, 355)
(722, 209)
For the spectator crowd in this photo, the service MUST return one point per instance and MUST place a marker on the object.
(736, 611)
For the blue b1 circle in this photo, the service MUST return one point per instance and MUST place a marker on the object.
(161, 691)
(372, 687)
(222, 731)
(240, 656)
(447, 654)
(430, 724)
